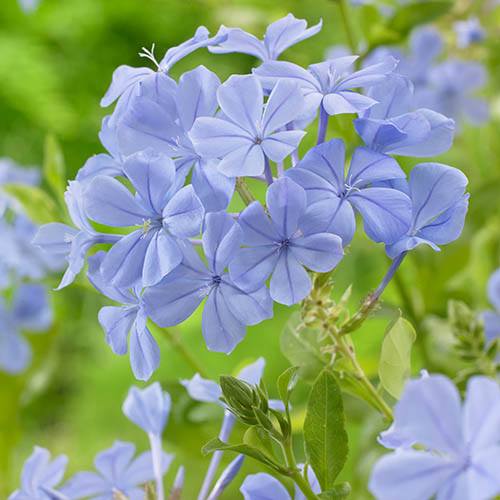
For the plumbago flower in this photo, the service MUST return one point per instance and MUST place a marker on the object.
(468, 32)
(492, 318)
(461, 443)
(41, 476)
(246, 136)
(280, 246)
(228, 309)
(439, 206)
(165, 211)
(29, 311)
(386, 212)
(279, 36)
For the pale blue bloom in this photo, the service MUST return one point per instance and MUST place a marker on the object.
(461, 443)
(165, 212)
(468, 32)
(334, 196)
(279, 36)
(148, 408)
(283, 245)
(492, 318)
(246, 134)
(329, 84)
(227, 477)
(127, 321)
(71, 243)
(129, 81)
(40, 477)
(228, 309)
(439, 206)
(29, 311)
(118, 472)
(393, 127)
(263, 486)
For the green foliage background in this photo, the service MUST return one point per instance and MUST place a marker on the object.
(55, 65)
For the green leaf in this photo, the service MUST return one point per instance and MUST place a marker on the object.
(54, 169)
(250, 451)
(286, 383)
(301, 346)
(258, 438)
(395, 358)
(338, 492)
(410, 15)
(324, 430)
(37, 204)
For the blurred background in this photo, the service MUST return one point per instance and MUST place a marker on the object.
(56, 63)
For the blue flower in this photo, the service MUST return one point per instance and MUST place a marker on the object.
(439, 205)
(245, 135)
(40, 477)
(283, 245)
(228, 309)
(279, 36)
(468, 32)
(392, 127)
(386, 212)
(329, 84)
(166, 213)
(117, 473)
(66, 241)
(124, 321)
(161, 120)
(148, 408)
(492, 318)
(30, 310)
(128, 81)
(263, 486)
(461, 443)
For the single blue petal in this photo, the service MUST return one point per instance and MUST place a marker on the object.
(15, 351)
(407, 243)
(162, 256)
(144, 353)
(221, 240)
(257, 228)
(494, 289)
(319, 252)
(481, 479)
(227, 476)
(55, 238)
(240, 41)
(252, 373)
(367, 76)
(248, 160)
(196, 95)
(290, 282)
(124, 79)
(101, 164)
(379, 135)
(263, 486)
(30, 307)
(346, 102)
(251, 267)
(491, 322)
(203, 390)
(85, 484)
(183, 214)
(117, 323)
(140, 471)
(109, 202)
(271, 72)
(386, 212)
(214, 189)
(279, 145)
(221, 329)
(286, 202)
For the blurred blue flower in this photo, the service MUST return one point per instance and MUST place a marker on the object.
(329, 84)
(40, 477)
(11, 173)
(461, 443)
(263, 486)
(392, 126)
(118, 473)
(165, 211)
(439, 206)
(228, 309)
(29, 5)
(128, 319)
(386, 212)
(283, 245)
(148, 408)
(72, 243)
(161, 118)
(492, 318)
(227, 477)
(244, 136)
(29, 311)
(468, 32)
(279, 36)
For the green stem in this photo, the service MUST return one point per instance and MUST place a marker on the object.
(349, 353)
(344, 12)
(295, 473)
(173, 337)
(244, 191)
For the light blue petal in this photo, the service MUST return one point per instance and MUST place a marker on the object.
(55, 238)
(15, 352)
(251, 267)
(117, 323)
(284, 105)
(346, 102)
(252, 373)
(263, 486)
(144, 353)
(491, 322)
(494, 289)
(140, 471)
(31, 308)
(239, 41)
(183, 214)
(290, 282)
(162, 256)
(279, 145)
(203, 390)
(248, 160)
(85, 484)
(101, 164)
(319, 252)
(124, 78)
(257, 228)
(214, 189)
(273, 71)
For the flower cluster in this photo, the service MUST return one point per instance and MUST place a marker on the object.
(162, 197)
(22, 266)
